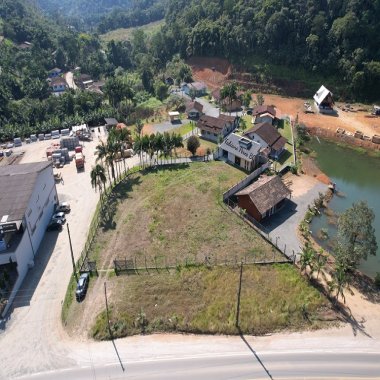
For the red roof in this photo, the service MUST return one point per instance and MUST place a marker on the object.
(264, 109)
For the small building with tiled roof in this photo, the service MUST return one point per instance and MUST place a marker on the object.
(323, 100)
(56, 72)
(264, 114)
(264, 197)
(194, 110)
(268, 137)
(194, 89)
(58, 84)
(212, 128)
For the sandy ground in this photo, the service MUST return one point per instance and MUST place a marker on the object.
(350, 121)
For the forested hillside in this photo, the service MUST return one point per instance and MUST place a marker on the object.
(104, 14)
(339, 37)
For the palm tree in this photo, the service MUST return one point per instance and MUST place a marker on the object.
(229, 91)
(98, 178)
(102, 153)
(306, 259)
(139, 129)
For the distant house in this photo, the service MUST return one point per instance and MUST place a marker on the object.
(235, 105)
(169, 81)
(194, 110)
(194, 89)
(268, 137)
(25, 45)
(264, 197)
(97, 87)
(323, 99)
(84, 81)
(53, 73)
(58, 84)
(264, 114)
(240, 151)
(213, 128)
(110, 122)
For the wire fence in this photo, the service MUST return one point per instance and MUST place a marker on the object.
(143, 264)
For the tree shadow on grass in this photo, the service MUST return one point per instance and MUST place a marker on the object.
(118, 194)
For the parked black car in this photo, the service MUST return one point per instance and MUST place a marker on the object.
(82, 286)
(54, 225)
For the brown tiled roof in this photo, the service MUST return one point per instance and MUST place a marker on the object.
(58, 80)
(214, 124)
(227, 118)
(264, 109)
(194, 105)
(266, 131)
(279, 143)
(266, 192)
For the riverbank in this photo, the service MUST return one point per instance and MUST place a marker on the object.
(357, 177)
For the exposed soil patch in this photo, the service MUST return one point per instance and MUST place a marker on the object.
(214, 72)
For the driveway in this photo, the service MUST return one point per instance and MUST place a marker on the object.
(283, 226)
(69, 77)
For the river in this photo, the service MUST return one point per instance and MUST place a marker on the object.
(357, 177)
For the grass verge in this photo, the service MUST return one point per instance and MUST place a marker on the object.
(203, 300)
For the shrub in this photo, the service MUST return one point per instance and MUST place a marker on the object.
(377, 280)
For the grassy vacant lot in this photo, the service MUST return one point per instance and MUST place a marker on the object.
(202, 300)
(123, 34)
(173, 214)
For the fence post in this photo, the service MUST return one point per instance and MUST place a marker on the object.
(155, 262)
(146, 268)
(135, 265)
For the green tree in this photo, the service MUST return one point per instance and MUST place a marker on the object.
(229, 92)
(246, 98)
(260, 99)
(356, 236)
(161, 90)
(193, 144)
(98, 178)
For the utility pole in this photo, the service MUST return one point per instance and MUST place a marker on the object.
(72, 254)
(107, 311)
(237, 324)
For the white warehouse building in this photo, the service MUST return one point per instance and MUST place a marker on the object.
(27, 199)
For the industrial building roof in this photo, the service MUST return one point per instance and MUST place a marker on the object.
(16, 186)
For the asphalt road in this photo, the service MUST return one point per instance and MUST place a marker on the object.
(298, 365)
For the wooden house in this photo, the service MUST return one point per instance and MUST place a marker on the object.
(268, 137)
(264, 197)
(214, 128)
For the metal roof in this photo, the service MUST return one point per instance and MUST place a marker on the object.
(16, 187)
(321, 95)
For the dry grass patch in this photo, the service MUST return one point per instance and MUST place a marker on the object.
(175, 214)
(202, 300)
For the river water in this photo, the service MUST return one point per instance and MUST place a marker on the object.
(357, 177)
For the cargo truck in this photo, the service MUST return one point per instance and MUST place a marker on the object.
(79, 161)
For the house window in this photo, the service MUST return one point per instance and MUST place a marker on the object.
(237, 160)
(215, 135)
